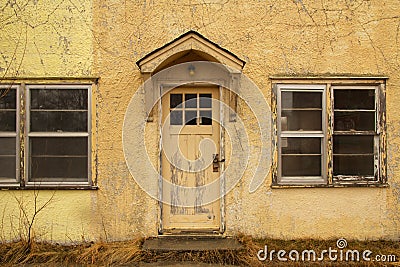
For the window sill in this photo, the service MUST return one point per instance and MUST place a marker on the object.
(359, 185)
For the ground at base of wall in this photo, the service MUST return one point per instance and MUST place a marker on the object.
(254, 252)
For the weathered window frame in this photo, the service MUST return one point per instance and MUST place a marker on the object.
(23, 134)
(331, 83)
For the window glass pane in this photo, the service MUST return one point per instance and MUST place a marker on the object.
(45, 146)
(353, 165)
(61, 99)
(301, 165)
(205, 117)
(301, 100)
(205, 100)
(353, 144)
(298, 120)
(58, 169)
(7, 121)
(175, 100)
(53, 121)
(58, 159)
(8, 98)
(190, 117)
(354, 99)
(357, 121)
(190, 100)
(175, 117)
(300, 145)
(7, 146)
(7, 167)
(7, 157)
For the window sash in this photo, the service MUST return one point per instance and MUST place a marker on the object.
(306, 88)
(338, 178)
(29, 134)
(14, 181)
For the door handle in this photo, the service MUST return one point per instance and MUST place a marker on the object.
(216, 162)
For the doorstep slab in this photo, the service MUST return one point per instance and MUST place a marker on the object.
(191, 244)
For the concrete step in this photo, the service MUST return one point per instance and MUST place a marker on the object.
(190, 243)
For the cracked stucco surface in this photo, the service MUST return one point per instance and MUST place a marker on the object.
(105, 38)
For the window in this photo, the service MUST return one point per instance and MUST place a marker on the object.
(330, 134)
(192, 109)
(56, 135)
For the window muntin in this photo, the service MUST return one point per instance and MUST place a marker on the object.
(355, 136)
(195, 110)
(9, 167)
(58, 140)
(301, 113)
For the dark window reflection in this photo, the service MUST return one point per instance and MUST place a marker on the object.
(7, 158)
(356, 121)
(353, 144)
(176, 117)
(190, 100)
(300, 145)
(301, 165)
(58, 159)
(205, 100)
(205, 117)
(190, 117)
(61, 99)
(301, 100)
(353, 165)
(7, 121)
(7, 167)
(175, 100)
(53, 121)
(8, 101)
(354, 99)
(304, 120)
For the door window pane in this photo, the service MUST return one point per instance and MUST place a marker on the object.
(205, 100)
(175, 100)
(190, 100)
(205, 117)
(190, 117)
(176, 117)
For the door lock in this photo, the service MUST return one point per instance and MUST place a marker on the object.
(216, 162)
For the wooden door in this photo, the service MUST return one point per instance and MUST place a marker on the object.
(190, 148)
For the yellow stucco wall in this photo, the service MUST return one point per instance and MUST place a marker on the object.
(106, 38)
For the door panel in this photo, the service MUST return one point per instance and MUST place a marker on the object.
(190, 140)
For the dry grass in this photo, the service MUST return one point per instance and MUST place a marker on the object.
(130, 252)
